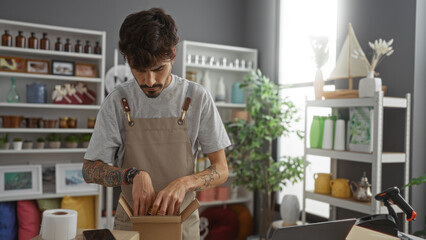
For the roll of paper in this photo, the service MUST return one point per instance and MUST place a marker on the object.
(339, 136)
(59, 224)
(327, 140)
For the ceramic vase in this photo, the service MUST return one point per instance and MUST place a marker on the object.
(289, 210)
(17, 145)
(318, 84)
(237, 93)
(220, 91)
(40, 145)
(205, 81)
(369, 85)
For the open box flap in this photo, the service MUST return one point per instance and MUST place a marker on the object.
(126, 206)
(194, 205)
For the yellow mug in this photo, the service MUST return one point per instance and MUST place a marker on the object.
(340, 188)
(322, 183)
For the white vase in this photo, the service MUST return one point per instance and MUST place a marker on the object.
(290, 210)
(205, 81)
(369, 85)
(17, 145)
(220, 91)
(318, 84)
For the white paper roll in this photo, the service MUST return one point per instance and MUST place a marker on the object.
(59, 224)
(327, 137)
(339, 135)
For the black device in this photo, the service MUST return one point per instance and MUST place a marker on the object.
(98, 234)
(388, 223)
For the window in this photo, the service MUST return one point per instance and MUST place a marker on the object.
(300, 19)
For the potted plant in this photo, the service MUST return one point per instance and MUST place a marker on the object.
(250, 156)
(417, 182)
(17, 143)
(28, 144)
(4, 141)
(54, 140)
(85, 139)
(40, 143)
(71, 141)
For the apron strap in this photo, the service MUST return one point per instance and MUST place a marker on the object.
(186, 103)
(125, 105)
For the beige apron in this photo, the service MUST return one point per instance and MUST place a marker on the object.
(161, 147)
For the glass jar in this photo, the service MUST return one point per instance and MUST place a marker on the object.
(91, 122)
(77, 47)
(63, 122)
(12, 95)
(97, 49)
(45, 42)
(72, 122)
(58, 45)
(87, 48)
(20, 40)
(6, 39)
(33, 41)
(68, 46)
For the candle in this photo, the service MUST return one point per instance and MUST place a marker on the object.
(115, 62)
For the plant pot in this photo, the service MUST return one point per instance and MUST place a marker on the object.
(17, 145)
(12, 121)
(369, 85)
(55, 144)
(85, 144)
(289, 210)
(27, 145)
(4, 146)
(71, 144)
(40, 145)
(49, 123)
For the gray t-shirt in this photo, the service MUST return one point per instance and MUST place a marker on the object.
(205, 127)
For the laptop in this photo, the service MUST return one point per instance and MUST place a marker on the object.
(331, 230)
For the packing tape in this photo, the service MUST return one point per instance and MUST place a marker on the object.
(59, 224)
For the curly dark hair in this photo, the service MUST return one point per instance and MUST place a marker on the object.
(147, 38)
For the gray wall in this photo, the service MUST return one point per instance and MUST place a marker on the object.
(403, 72)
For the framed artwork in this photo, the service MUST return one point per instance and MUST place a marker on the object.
(19, 180)
(37, 66)
(69, 178)
(11, 64)
(62, 68)
(85, 70)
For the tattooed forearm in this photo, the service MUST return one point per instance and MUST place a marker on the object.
(207, 177)
(102, 173)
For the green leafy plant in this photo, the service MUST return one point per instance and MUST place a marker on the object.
(4, 138)
(250, 156)
(85, 137)
(54, 137)
(27, 141)
(40, 139)
(72, 138)
(416, 182)
(17, 140)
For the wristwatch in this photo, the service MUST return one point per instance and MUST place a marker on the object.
(130, 174)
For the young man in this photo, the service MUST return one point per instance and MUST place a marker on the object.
(151, 127)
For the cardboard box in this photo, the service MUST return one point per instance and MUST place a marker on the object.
(159, 227)
(367, 234)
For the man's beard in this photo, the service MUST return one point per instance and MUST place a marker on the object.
(152, 94)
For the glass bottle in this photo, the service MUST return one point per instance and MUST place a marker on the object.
(6, 39)
(58, 45)
(87, 48)
(45, 42)
(12, 95)
(20, 40)
(68, 46)
(33, 41)
(77, 47)
(97, 49)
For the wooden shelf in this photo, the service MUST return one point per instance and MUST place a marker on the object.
(48, 53)
(50, 105)
(47, 195)
(46, 130)
(49, 77)
(44, 150)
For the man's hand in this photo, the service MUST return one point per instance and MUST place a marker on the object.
(169, 199)
(143, 193)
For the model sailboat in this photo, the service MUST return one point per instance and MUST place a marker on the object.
(348, 67)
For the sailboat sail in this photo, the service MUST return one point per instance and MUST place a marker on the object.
(346, 65)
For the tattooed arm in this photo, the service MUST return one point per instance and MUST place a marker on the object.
(169, 199)
(102, 173)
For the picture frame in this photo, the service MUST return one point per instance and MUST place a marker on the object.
(69, 178)
(64, 68)
(86, 70)
(12, 64)
(37, 66)
(20, 180)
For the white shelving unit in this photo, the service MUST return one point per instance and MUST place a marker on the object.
(377, 158)
(231, 75)
(50, 110)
